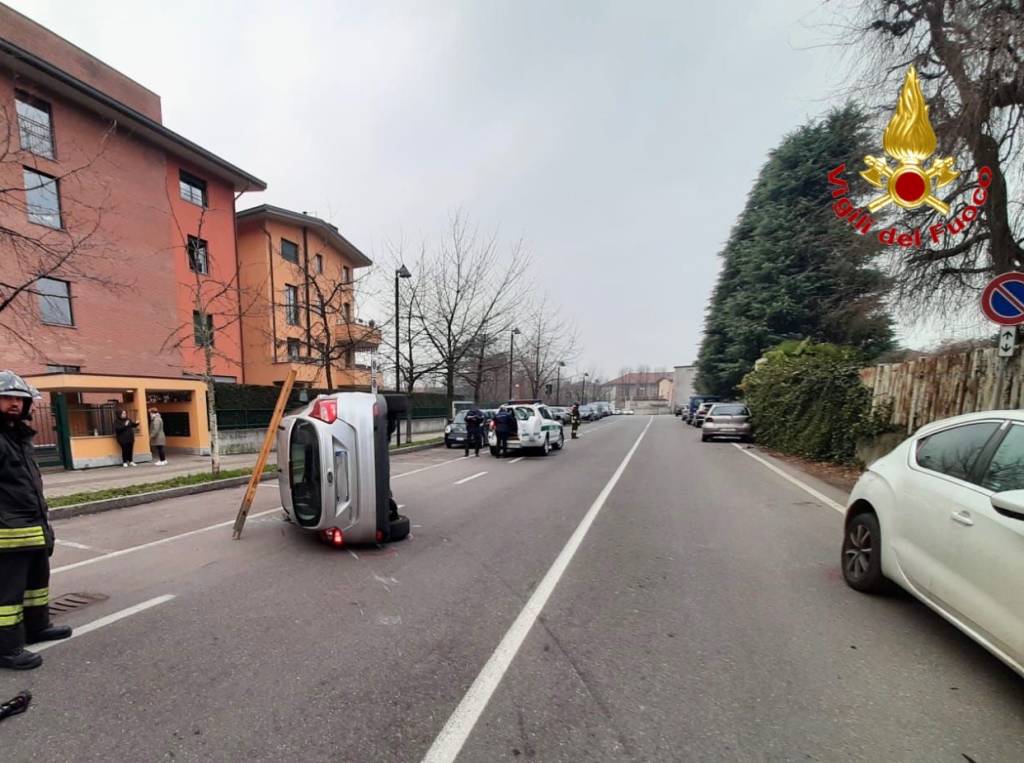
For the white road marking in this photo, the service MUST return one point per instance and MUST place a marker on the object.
(72, 544)
(425, 468)
(269, 483)
(151, 544)
(354, 554)
(517, 460)
(401, 505)
(473, 477)
(81, 630)
(459, 726)
(790, 478)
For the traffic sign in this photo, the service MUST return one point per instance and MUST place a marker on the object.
(1007, 341)
(1002, 301)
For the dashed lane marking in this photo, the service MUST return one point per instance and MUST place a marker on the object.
(471, 477)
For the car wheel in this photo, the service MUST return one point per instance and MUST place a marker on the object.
(704, 437)
(448, 445)
(495, 452)
(561, 441)
(398, 528)
(545, 449)
(862, 554)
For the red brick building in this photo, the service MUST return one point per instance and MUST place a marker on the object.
(112, 224)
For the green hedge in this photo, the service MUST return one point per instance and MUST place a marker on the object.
(808, 400)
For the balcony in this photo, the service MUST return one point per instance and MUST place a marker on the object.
(357, 334)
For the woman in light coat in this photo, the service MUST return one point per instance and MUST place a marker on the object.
(157, 438)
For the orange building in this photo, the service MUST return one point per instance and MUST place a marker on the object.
(126, 221)
(298, 278)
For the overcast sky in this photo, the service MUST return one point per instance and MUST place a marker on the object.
(618, 139)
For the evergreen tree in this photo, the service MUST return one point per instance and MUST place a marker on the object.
(791, 269)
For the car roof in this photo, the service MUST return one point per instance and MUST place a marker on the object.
(968, 418)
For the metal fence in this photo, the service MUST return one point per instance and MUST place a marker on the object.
(933, 388)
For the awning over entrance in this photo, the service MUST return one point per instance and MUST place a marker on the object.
(76, 417)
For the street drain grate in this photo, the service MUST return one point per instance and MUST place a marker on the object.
(70, 601)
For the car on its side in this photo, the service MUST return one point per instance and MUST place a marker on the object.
(727, 420)
(942, 516)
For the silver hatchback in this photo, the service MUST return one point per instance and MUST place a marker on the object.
(727, 420)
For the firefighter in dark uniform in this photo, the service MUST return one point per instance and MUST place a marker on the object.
(474, 424)
(574, 418)
(26, 540)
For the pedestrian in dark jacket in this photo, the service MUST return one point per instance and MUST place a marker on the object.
(124, 430)
(26, 539)
(474, 421)
(504, 426)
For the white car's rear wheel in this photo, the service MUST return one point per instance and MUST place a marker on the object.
(546, 447)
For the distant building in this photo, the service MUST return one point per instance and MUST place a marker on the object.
(289, 264)
(682, 385)
(641, 386)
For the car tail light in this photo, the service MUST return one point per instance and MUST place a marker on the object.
(325, 410)
(334, 536)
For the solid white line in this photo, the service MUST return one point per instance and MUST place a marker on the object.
(517, 460)
(354, 554)
(467, 479)
(790, 478)
(72, 544)
(459, 726)
(81, 630)
(151, 544)
(425, 468)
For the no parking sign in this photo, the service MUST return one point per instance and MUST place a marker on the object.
(1002, 301)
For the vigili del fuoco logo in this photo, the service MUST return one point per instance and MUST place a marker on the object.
(909, 141)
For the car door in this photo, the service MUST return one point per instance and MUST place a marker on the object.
(937, 485)
(986, 553)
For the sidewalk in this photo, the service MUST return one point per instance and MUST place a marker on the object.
(58, 483)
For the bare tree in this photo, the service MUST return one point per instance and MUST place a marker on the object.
(970, 60)
(547, 340)
(66, 241)
(465, 286)
(218, 305)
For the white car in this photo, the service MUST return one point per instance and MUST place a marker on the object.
(943, 517)
(537, 427)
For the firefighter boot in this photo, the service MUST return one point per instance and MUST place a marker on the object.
(49, 633)
(21, 659)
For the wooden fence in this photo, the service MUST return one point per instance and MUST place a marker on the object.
(932, 388)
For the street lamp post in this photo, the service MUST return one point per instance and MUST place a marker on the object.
(585, 375)
(558, 383)
(511, 352)
(402, 272)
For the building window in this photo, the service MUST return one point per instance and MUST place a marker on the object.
(347, 311)
(349, 357)
(42, 199)
(198, 259)
(319, 263)
(202, 329)
(191, 188)
(56, 368)
(290, 250)
(55, 302)
(293, 349)
(346, 274)
(35, 128)
(291, 304)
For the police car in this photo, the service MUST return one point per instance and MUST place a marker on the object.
(537, 428)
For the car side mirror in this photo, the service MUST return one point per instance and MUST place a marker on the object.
(1010, 504)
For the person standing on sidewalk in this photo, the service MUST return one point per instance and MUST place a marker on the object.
(157, 438)
(26, 539)
(474, 419)
(124, 430)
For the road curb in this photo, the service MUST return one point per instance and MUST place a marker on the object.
(109, 504)
(414, 448)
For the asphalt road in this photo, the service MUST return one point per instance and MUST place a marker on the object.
(702, 617)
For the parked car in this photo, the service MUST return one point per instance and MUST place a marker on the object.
(700, 413)
(628, 412)
(727, 420)
(587, 413)
(942, 516)
(560, 413)
(696, 401)
(536, 428)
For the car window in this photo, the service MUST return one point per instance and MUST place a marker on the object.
(460, 417)
(729, 410)
(544, 412)
(1006, 472)
(953, 451)
(524, 414)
